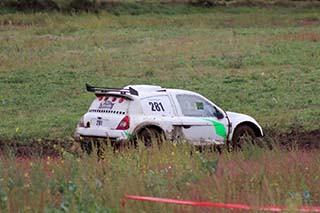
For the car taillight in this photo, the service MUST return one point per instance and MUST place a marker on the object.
(124, 123)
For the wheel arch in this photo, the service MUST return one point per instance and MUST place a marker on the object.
(143, 126)
(257, 130)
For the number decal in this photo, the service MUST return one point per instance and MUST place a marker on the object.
(156, 106)
(99, 123)
(162, 108)
(152, 106)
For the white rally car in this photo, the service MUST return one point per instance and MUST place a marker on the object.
(147, 111)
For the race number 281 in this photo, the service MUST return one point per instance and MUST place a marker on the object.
(156, 106)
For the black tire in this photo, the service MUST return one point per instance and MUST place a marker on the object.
(243, 135)
(89, 146)
(86, 146)
(150, 135)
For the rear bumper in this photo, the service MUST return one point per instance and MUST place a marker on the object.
(116, 135)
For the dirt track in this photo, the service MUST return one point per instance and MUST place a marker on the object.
(305, 140)
(293, 139)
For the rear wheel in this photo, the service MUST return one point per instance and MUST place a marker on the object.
(90, 145)
(243, 135)
(149, 136)
(86, 146)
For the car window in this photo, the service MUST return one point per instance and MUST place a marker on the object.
(195, 106)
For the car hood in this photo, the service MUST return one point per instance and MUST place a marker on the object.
(237, 116)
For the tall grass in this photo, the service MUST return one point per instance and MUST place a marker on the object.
(72, 183)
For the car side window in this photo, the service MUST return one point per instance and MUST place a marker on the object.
(195, 106)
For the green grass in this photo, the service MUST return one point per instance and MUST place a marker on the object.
(254, 177)
(261, 62)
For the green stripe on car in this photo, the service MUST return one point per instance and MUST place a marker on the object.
(129, 136)
(219, 127)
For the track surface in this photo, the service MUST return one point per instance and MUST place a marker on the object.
(296, 139)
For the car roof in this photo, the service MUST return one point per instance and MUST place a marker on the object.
(155, 90)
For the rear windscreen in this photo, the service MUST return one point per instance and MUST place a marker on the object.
(110, 104)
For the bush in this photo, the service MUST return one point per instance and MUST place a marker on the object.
(29, 4)
(61, 5)
(135, 5)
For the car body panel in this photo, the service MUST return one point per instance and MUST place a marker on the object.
(181, 115)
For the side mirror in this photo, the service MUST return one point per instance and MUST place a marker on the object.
(219, 115)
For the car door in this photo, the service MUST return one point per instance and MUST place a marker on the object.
(199, 120)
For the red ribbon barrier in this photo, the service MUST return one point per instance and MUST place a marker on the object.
(217, 205)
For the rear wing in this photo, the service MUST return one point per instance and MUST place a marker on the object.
(98, 91)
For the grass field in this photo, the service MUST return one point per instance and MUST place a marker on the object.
(262, 62)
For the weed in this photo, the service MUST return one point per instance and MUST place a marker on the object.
(272, 177)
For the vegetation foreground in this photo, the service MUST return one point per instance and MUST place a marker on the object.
(254, 176)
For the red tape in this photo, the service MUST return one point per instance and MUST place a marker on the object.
(217, 205)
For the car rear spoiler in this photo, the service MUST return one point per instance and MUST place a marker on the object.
(105, 90)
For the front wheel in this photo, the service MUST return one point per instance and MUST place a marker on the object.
(243, 135)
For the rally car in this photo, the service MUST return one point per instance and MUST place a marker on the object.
(146, 112)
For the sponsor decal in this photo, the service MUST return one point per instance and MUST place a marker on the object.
(106, 105)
